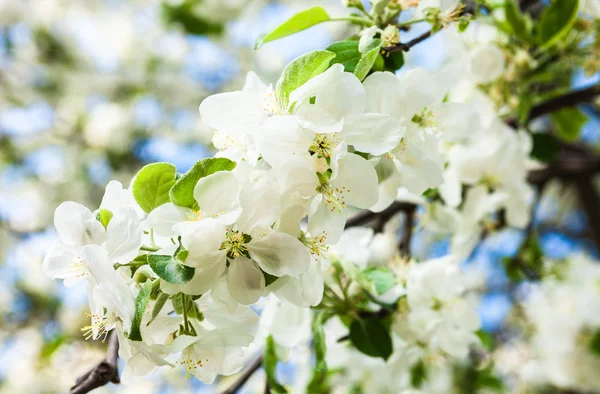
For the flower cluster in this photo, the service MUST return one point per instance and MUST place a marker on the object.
(566, 337)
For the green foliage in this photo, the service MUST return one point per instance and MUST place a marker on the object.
(486, 339)
(517, 21)
(367, 59)
(346, 54)
(51, 50)
(301, 21)
(318, 382)
(394, 60)
(595, 343)
(152, 183)
(382, 279)
(528, 262)
(103, 216)
(568, 123)
(141, 303)
(182, 192)
(170, 269)
(300, 70)
(50, 348)
(418, 374)
(545, 147)
(158, 305)
(183, 15)
(371, 337)
(270, 366)
(556, 21)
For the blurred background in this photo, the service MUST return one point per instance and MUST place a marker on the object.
(93, 90)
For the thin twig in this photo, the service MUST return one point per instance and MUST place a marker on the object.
(103, 373)
(570, 99)
(409, 222)
(245, 376)
(366, 217)
(405, 47)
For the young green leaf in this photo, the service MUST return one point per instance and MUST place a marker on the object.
(382, 278)
(545, 147)
(170, 269)
(300, 70)
(152, 183)
(301, 21)
(103, 216)
(346, 54)
(517, 21)
(367, 60)
(568, 123)
(556, 21)
(141, 303)
(182, 192)
(371, 338)
(270, 366)
(394, 60)
(158, 305)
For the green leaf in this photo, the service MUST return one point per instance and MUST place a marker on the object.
(170, 269)
(371, 338)
(568, 123)
(383, 279)
(517, 21)
(545, 147)
(595, 343)
(184, 16)
(49, 348)
(367, 60)
(318, 382)
(182, 192)
(152, 183)
(394, 60)
(158, 305)
(141, 303)
(270, 366)
(104, 216)
(346, 54)
(556, 21)
(418, 374)
(487, 340)
(301, 21)
(301, 70)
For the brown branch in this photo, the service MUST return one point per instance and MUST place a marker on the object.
(589, 200)
(409, 222)
(365, 217)
(245, 376)
(570, 99)
(405, 47)
(103, 373)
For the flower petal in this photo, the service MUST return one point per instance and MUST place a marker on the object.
(77, 225)
(373, 133)
(217, 192)
(246, 280)
(280, 254)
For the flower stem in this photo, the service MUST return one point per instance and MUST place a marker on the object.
(353, 19)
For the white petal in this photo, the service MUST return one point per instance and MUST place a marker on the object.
(232, 110)
(77, 225)
(383, 93)
(124, 236)
(246, 281)
(202, 240)
(64, 262)
(279, 254)
(325, 220)
(163, 218)
(373, 133)
(260, 203)
(357, 182)
(217, 192)
(282, 138)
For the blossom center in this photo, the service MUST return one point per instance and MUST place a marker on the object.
(334, 197)
(191, 363)
(236, 244)
(324, 144)
(97, 327)
(78, 269)
(270, 104)
(316, 245)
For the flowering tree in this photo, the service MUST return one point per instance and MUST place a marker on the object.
(311, 204)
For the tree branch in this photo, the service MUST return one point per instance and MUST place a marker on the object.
(103, 373)
(405, 47)
(409, 222)
(570, 99)
(245, 376)
(589, 200)
(365, 217)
